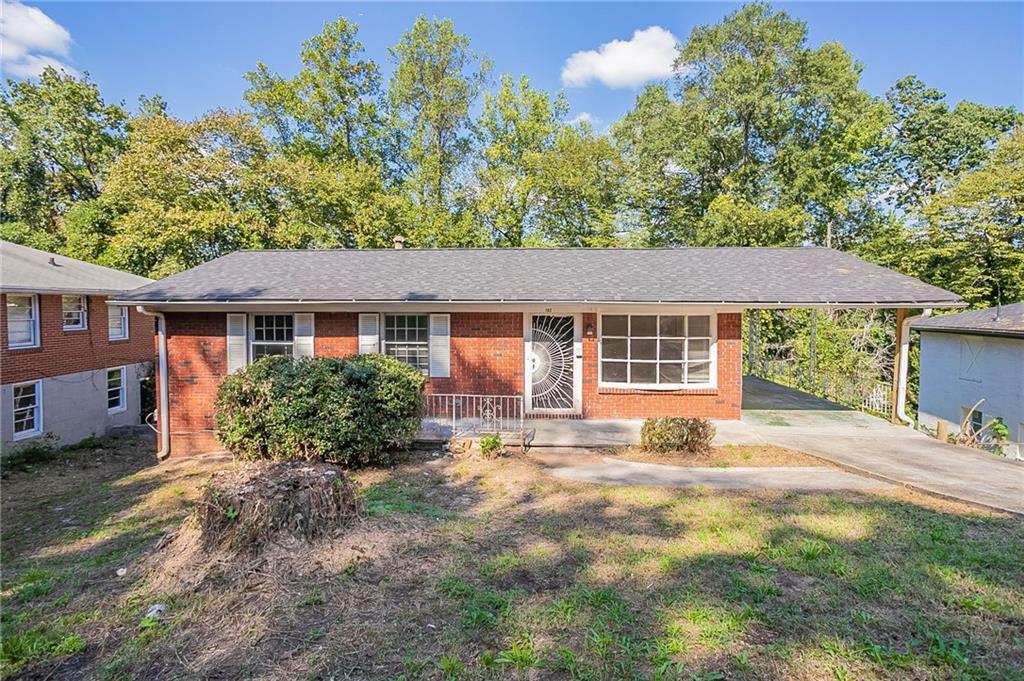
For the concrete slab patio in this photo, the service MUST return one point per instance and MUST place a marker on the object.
(805, 478)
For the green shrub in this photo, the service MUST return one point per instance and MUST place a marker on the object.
(677, 434)
(349, 411)
(490, 445)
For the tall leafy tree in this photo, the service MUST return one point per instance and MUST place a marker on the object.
(436, 79)
(928, 142)
(186, 192)
(974, 242)
(757, 116)
(58, 137)
(578, 181)
(329, 108)
(518, 125)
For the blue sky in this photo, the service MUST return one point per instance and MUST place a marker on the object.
(196, 54)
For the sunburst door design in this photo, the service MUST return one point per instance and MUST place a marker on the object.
(552, 375)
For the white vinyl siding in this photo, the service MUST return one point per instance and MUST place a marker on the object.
(656, 351)
(117, 322)
(27, 408)
(76, 312)
(117, 398)
(22, 321)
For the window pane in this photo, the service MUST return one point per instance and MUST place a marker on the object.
(643, 349)
(671, 326)
(699, 372)
(19, 307)
(264, 350)
(19, 332)
(643, 326)
(671, 349)
(670, 373)
(614, 325)
(642, 373)
(699, 326)
(699, 349)
(613, 348)
(613, 372)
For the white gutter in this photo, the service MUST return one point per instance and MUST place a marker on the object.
(163, 402)
(901, 386)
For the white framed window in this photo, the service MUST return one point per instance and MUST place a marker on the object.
(76, 312)
(272, 334)
(407, 339)
(117, 322)
(663, 351)
(27, 408)
(117, 399)
(22, 321)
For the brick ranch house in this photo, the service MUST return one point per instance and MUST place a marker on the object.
(69, 364)
(579, 333)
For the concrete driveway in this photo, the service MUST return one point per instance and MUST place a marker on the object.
(776, 415)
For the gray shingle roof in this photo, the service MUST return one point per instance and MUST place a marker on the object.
(690, 275)
(28, 270)
(1008, 322)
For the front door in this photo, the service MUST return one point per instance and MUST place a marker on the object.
(554, 364)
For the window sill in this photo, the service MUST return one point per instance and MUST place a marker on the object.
(27, 435)
(72, 329)
(16, 348)
(627, 390)
(119, 338)
(118, 410)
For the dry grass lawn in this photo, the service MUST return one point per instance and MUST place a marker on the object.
(466, 568)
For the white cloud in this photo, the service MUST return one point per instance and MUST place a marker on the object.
(585, 117)
(648, 55)
(31, 41)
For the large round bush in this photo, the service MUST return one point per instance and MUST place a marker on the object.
(349, 411)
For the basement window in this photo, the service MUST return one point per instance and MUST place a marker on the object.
(116, 397)
(27, 406)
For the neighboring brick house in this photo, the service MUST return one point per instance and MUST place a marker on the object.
(577, 333)
(69, 364)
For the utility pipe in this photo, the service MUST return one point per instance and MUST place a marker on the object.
(164, 401)
(901, 386)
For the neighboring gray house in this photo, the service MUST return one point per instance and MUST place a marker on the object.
(70, 364)
(969, 356)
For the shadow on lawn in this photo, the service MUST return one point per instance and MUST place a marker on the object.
(488, 569)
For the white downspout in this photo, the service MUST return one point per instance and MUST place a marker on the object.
(163, 402)
(901, 386)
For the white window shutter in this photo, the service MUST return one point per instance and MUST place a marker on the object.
(369, 333)
(237, 345)
(440, 345)
(303, 335)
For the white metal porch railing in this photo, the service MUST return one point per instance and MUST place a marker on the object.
(468, 414)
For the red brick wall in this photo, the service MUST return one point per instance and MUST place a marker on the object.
(486, 355)
(722, 402)
(65, 352)
(197, 358)
(486, 358)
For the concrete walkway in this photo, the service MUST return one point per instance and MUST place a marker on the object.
(865, 444)
(806, 478)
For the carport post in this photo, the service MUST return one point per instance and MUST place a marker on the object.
(901, 314)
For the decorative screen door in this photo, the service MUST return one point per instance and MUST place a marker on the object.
(553, 365)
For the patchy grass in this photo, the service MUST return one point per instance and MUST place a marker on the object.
(491, 569)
